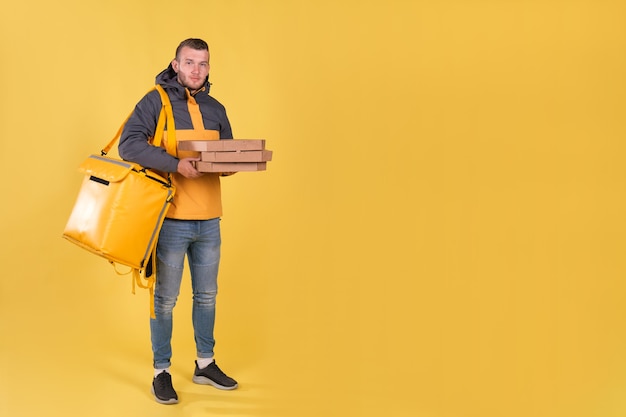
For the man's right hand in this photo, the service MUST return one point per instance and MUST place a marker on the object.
(187, 168)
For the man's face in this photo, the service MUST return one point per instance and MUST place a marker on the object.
(192, 67)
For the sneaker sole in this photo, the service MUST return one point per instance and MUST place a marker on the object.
(202, 380)
(160, 401)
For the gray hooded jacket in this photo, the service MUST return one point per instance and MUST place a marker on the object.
(134, 146)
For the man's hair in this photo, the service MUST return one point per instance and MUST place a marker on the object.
(192, 43)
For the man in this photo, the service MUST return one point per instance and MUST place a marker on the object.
(192, 225)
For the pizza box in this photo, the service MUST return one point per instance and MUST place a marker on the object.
(203, 166)
(237, 156)
(223, 145)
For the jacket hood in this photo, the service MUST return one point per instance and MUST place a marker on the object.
(167, 78)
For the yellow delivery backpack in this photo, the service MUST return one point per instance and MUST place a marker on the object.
(121, 207)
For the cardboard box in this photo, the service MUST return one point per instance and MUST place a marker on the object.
(203, 166)
(229, 155)
(237, 156)
(224, 145)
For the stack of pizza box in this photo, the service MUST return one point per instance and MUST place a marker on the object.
(229, 155)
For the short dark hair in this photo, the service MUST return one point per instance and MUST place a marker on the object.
(192, 43)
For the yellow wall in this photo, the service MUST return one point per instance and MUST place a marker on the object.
(440, 233)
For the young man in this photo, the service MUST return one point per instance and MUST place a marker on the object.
(192, 225)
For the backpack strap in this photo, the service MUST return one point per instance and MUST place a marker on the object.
(170, 144)
(166, 118)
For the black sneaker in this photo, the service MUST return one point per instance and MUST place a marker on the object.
(163, 390)
(212, 375)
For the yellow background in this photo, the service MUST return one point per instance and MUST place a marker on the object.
(440, 233)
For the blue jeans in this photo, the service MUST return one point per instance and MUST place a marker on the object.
(200, 240)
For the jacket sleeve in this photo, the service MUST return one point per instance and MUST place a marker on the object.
(139, 128)
(225, 129)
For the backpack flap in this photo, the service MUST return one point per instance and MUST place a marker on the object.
(107, 169)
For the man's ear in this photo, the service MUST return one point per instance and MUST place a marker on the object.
(175, 65)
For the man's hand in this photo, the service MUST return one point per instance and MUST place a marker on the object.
(187, 168)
